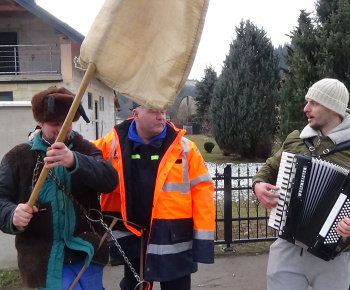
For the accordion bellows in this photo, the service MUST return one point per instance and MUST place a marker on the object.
(145, 49)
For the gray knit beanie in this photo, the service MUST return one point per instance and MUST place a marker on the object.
(330, 93)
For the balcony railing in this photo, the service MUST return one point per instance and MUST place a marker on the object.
(28, 61)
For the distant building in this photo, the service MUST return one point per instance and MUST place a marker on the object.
(37, 51)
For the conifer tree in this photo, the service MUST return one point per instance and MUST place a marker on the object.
(334, 39)
(243, 108)
(301, 61)
(319, 49)
(204, 90)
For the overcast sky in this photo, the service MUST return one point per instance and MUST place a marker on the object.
(276, 17)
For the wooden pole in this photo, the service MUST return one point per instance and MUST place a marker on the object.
(67, 122)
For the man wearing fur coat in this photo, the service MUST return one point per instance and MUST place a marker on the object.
(54, 238)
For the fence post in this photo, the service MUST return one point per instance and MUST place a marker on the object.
(228, 208)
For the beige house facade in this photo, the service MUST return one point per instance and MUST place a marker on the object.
(37, 50)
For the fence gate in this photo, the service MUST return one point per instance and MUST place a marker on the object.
(239, 217)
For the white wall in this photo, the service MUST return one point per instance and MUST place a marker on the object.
(16, 119)
(16, 122)
(8, 253)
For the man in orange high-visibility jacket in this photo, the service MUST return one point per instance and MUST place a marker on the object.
(165, 187)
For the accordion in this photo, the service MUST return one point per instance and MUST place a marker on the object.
(313, 198)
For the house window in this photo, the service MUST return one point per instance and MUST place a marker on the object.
(90, 101)
(6, 96)
(8, 53)
(102, 103)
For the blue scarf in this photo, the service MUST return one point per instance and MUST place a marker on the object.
(133, 136)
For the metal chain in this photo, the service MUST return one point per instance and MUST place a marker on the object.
(64, 189)
(36, 170)
(89, 220)
(126, 259)
(104, 225)
(70, 196)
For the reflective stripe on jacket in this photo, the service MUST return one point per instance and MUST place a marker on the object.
(182, 222)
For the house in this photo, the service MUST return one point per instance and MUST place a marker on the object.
(37, 50)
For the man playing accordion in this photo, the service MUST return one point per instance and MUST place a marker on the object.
(289, 267)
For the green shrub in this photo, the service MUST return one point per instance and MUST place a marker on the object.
(208, 146)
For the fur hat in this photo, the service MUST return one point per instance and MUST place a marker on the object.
(53, 104)
(331, 94)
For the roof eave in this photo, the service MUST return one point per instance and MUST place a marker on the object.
(50, 19)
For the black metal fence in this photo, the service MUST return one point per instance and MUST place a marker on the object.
(239, 216)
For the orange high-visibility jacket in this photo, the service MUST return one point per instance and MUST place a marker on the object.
(182, 222)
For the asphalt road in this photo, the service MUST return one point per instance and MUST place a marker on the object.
(229, 272)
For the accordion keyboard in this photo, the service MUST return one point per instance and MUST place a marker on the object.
(285, 174)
